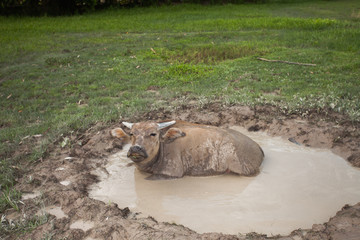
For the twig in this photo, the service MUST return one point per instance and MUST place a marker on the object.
(281, 61)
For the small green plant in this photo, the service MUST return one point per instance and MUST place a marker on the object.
(23, 225)
(355, 14)
(10, 197)
(211, 54)
(65, 142)
(6, 174)
(188, 70)
(47, 236)
(60, 61)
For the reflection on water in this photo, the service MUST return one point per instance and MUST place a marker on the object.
(297, 187)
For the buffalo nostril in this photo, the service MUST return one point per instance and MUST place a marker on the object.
(137, 153)
(136, 148)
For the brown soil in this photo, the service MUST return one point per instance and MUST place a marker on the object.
(89, 151)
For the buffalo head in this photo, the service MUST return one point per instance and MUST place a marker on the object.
(145, 138)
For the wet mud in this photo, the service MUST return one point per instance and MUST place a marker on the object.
(63, 178)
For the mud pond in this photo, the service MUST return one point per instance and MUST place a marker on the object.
(296, 188)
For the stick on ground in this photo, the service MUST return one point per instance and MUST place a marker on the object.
(281, 61)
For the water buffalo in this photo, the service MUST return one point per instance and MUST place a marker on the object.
(177, 148)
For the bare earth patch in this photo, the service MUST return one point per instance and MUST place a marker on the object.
(86, 218)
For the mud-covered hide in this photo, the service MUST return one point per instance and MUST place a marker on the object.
(208, 150)
(200, 150)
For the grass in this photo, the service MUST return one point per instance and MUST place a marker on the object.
(59, 75)
(211, 54)
(26, 224)
(10, 198)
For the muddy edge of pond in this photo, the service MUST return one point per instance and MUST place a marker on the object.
(88, 151)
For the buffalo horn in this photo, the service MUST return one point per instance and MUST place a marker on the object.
(165, 124)
(128, 125)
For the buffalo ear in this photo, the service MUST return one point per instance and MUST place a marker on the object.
(119, 133)
(172, 134)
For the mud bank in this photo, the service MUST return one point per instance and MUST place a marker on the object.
(64, 176)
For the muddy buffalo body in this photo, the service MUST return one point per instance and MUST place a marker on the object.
(177, 148)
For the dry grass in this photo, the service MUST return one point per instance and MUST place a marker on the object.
(355, 14)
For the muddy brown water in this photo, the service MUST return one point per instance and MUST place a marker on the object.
(296, 188)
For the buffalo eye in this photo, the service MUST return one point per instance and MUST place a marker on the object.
(153, 134)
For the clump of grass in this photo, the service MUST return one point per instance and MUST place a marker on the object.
(49, 236)
(6, 174)
(324, 103)
(21, 226)
(60, 61)
(212, 53)
(180, 74)
(355, 14)
(10, 197)
(299, 104)
(187, 69)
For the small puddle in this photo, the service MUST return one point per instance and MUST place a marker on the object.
(32, 195)
(296, 188)
(65, 183)
(83, 225)
(54, 210)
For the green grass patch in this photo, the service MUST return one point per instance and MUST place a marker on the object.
(210, 54)
(9, 199)
(21, 226)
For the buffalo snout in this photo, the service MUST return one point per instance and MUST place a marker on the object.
(137, 153)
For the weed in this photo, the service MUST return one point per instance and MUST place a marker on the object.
(9, 198)
(6, 174)
(60, 61)
(21, 226)
(212, 53)
(47, 236)
(180, 74)
(355, 14)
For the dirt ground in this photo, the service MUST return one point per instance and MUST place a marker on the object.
(63, 177)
